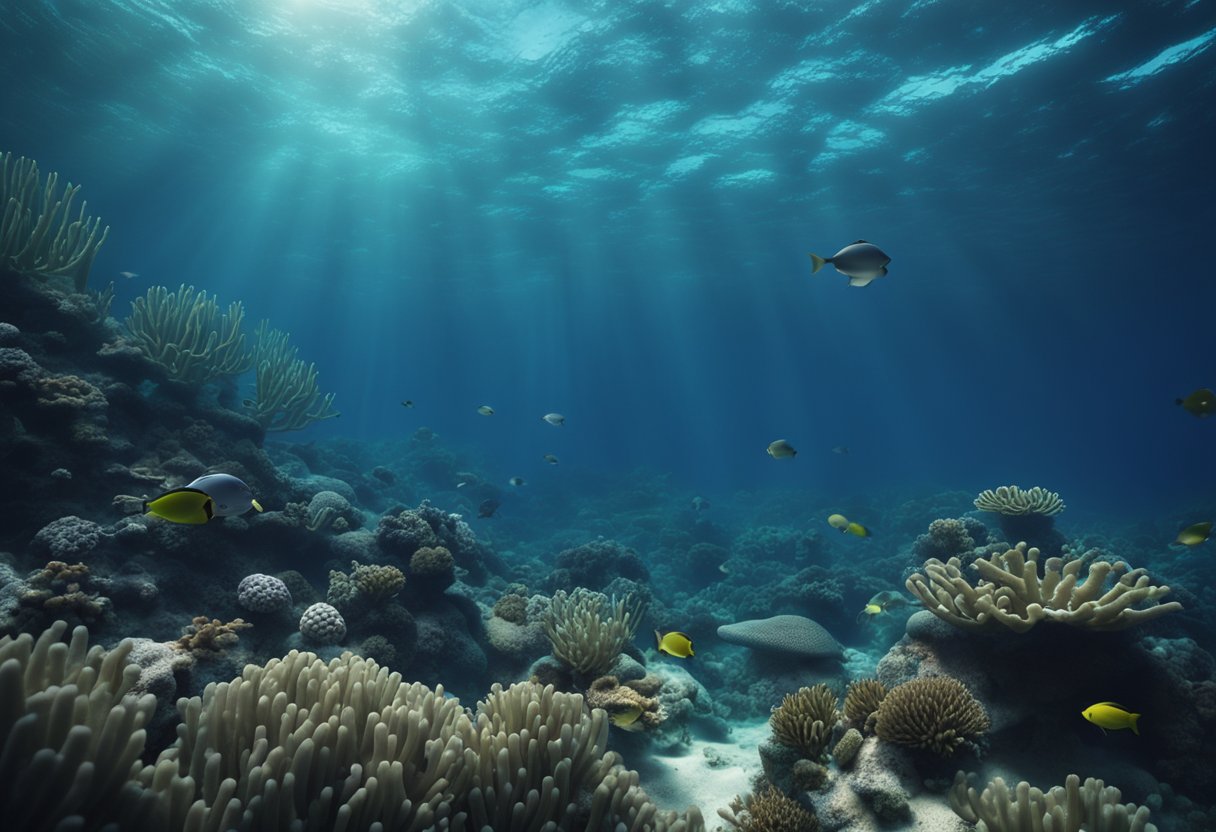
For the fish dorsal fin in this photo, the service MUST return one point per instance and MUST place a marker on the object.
(1113, 705)
(861, 242)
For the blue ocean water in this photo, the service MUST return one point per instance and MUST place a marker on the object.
(605, 209)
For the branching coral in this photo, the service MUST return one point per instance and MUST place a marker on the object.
(804, 720)
(1012, 500)
(769, 811)
(209, 635)
(861, 703)
(186, 335)
(588, 631)
(937, 713)
(1011, 594)
(286, 395)
(70, 735)
(38, 236)
(1092, 806)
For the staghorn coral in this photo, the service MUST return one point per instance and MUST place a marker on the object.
(1012, 500)
(769, 811)
(286, 394)
(937, 713)
(588, 631)
(1091, 806)
(376, 583)
(861, 702)
(608, 693)
(185, 334)
(70, 732)
(209, 635)
(804, 720)
(1011, 594)
(38, 237)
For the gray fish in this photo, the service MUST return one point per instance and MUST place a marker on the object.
(230, 495)
(861, 262)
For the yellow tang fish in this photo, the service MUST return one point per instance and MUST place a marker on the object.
(870, 609)
(857, 529)
(1110, 715)
(182, 505)
(1194, 534)
(1200, 404)
(627, 719)
(674, 644)
(838, 521)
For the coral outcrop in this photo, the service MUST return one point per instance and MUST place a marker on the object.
(804, 720)
(1091, 805)
(935, 713)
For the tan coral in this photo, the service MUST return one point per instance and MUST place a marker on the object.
(804, 720)
(608, 693)
(1092, 805)
(68, 393)
(769, 811)
(937, 713)
(588, 631)
(376, 582)
(210, 635)
(432, 560)
(1011, 500)
(1011, 594)
(861, 702)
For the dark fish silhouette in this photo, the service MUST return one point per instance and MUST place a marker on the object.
(488, 507)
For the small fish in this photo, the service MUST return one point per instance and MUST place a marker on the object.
(627, 719)
(838, 522)
(781, 449)
(723, 568)
(871, 609)
(1194, 534)
(840, 449)
(488, 507)
(485, 410)
(889, 598)
(516, 481)
(554, 419)
(1108, 715)
(551, 459)
(1201, 403)
(856, 529)
(461, 484)
(674, 644)
(407, 403)
(208, 497)
(129, 275)
(861, 262)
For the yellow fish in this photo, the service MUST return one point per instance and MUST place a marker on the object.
(780, 449)
(1194, 534)
(674, 644)
(857, 529)
(1109, 715)
(627, 719)
(1201, 403)
(838, 521)
(182, 505)
(870, 609)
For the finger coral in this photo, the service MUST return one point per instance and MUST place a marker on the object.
(861, 702)
(1012, 500)
(1011, 594)
(588, 631)
(804, 720)
(937, 713)
(1075, 805)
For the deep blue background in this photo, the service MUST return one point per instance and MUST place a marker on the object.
(468, 203)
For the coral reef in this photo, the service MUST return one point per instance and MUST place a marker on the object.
(588, 631)
(323, 624)
(608, 693)
(286, 395)
(769, 811)
(1011, 500)
(263, 593)
(1011, 594)
(793, 634)
(937, 713)
(38, 237)
(209, 635)
(861, 702)
(1090, 805)
(804, 720)
(69, 732)
(186, 336)
(846, 748)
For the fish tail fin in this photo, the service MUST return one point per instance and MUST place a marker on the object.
(658, 641)
(1136, 724)
(145, 509)
(818, 262)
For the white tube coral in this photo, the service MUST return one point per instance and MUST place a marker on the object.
(1093, 806)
